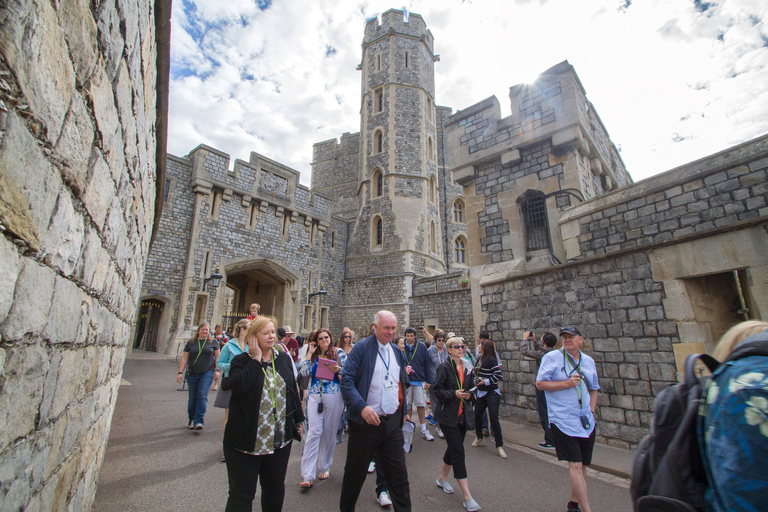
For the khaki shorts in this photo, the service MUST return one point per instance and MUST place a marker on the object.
(417, 396)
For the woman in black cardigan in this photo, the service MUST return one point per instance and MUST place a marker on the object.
(264, 415)
(452, 383)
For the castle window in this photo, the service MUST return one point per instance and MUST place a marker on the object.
(377, 231)
(286, 222)
(432, 237)
(430, 149)
(167, 190)
(378, 100)
(378, 183)
(378, 142)
(429, 109)
(458, 211)
(460, 251)
(536, 229)
(377, 63)
(215, 201)
(406, 60)
(432, 189)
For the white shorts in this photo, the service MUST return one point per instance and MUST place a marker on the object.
(417, 396)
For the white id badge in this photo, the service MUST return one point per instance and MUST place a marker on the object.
(389, 383)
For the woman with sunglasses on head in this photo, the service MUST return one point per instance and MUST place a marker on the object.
(325, 406)
(453, 381)
(264, 416)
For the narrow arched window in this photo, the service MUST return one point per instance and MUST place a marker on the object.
(379, 231)
(432, 237)
(430, 149)
(459, 250)
(432, 189)
(378, 183)
(378, 142)
(458, 211)
(378, 100)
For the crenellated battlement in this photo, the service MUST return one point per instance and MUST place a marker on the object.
(394, 20)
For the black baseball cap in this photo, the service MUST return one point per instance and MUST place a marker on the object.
(569, 330)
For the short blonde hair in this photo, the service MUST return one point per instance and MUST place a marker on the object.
(258, 324)
(454, 340)
(736, 335)
(258, 308)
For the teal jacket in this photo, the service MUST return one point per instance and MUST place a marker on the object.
(230, 350)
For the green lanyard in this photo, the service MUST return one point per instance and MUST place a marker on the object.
(199, 350)
(415, 348)
(567, 362)
(456, 376)
(272, 390)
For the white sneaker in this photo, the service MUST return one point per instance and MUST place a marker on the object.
(371, 467)
(445, 486)
(426, 435)
(440, 434)
(383, 499)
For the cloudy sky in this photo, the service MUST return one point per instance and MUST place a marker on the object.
(672, 80)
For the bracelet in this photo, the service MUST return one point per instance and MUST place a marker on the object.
(180, 373)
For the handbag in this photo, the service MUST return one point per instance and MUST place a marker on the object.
(469, 415)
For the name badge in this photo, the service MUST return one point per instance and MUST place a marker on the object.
(389, 383)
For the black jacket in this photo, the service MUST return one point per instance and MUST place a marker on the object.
(444, 388)
(246, 379)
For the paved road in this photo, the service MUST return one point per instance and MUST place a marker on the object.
(153, 463)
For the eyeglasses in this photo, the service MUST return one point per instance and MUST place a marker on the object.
(347, 336)
(459, 347)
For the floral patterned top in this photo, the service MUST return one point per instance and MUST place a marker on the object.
(733, 429)
(308, 368)
(271, 416)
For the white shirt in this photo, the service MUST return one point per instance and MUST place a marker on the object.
(384, 398)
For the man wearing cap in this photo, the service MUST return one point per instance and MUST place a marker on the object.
(569, 379)
(291, 344)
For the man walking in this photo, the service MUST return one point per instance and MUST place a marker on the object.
(569, 378)
(374, 384)
(531, 348)
(438, 354)
(417, 364)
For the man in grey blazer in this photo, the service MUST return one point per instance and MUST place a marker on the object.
(373, 383)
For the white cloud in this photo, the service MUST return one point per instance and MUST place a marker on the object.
(672, 84)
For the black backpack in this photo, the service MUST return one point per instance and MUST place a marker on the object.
(667, 470)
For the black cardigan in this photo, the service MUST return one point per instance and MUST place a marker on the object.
(444, 388)
(246, 379)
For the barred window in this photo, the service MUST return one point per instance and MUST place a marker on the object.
(536, 229)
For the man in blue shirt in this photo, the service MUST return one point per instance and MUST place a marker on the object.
(569, 379)
(417, 361)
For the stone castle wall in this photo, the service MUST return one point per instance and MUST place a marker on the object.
(77, 202)
(641, 305)
(444, 301)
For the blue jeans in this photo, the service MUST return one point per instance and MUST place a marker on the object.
(199, 385)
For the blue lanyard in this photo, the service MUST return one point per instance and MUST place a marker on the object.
(386, 364)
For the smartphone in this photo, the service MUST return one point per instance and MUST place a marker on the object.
(472, 390)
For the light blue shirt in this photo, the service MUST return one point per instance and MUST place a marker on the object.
(563, 405)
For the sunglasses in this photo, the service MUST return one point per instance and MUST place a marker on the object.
(459, 347)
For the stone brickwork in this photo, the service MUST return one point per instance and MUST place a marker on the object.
(714, 199)
(335, 173)
(77, 203)
(445, 301)
(618, 308)
(252, 215)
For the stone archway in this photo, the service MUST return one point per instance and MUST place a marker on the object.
(261, 280)
(152, 323)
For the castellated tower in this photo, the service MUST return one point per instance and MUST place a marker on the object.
(396, 233)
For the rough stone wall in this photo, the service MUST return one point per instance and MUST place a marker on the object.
(495, 177)
(336, 173)
(77, 200)
(713, 200)
(450, 191)
(248, 224)
(167, 260)
(618, 307)
(443, 299)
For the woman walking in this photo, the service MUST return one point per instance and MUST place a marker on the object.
(451, 387)
(232, 348)
(487, 374)
(325, 406)
(199, 361)
(265, 415)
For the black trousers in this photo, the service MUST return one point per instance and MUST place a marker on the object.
(364, 441)
(244, 471)
(454, 454)
(491, 401)
(541, 407)
(381, 480)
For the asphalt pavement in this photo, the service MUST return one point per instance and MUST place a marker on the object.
(154, 463)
